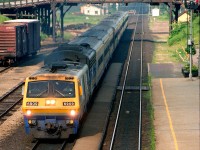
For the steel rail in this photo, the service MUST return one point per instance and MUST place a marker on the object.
(35, 145)
(14, 103)
(38, 144)
(63, 145)
(4, 69)
(123, 88)
(141, 74)
(11, 91)
(11, 107)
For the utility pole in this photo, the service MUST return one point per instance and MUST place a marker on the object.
(190, 44)
(191, 5)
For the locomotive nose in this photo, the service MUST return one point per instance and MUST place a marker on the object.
(50, 126)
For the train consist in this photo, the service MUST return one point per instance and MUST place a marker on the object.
(18, 39)
(56, 96)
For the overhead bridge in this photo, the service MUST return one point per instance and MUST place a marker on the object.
(28, 3)
(45, 10)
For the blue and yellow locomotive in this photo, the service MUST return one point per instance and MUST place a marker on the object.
(56, 96)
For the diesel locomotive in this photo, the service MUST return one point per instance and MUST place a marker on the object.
(56, 96)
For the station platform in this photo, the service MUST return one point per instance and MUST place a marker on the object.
(177, 114)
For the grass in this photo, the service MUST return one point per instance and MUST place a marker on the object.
(43, 36)
(150, 113)
(164, 53)
(180, 33)
(68, 36)
(163, 17)
(196, 30)
(80, 19)
(3, 18)
(182, 53)
(174, 50)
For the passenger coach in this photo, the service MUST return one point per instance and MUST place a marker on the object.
(56, 96)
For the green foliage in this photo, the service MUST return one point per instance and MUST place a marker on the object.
(196, 29)
(179, 33)
(180, 30)
(187, 49)
(3, 18)
(182, 53)
(150, 113)
(68, 36)
(187, 67)
(163, 17)
(43, 36)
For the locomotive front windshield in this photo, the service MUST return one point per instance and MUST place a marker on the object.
(51, 88)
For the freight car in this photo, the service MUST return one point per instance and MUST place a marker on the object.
(18, 38)
(56, 96)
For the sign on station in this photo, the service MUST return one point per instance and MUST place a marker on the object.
(155, 12)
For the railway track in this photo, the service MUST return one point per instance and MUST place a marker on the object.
(3, 69)
(127, 109)
(126, 118)
(9, 101)
(53, 145)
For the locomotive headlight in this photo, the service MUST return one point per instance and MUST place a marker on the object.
(72, 112)
(32, 122)
(69, 122)
(28, 112)
(53, 102)
(50, 102)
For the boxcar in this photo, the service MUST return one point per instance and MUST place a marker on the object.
(13, 42)
(18, 38)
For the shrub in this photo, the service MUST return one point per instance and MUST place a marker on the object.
(43, 36)
(187, 67)
(187, 49)
(3, 18)
(177, 34)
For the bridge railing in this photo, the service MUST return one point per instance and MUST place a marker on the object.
(27, 3)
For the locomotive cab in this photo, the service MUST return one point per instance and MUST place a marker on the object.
(52, 104)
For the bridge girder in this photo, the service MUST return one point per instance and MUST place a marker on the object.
(116, 1)
(43, 10)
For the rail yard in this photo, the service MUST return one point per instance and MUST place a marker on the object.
(116, 114)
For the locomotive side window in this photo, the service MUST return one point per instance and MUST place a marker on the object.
(51, 88)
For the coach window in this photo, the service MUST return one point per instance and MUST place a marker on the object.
(100, 60)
